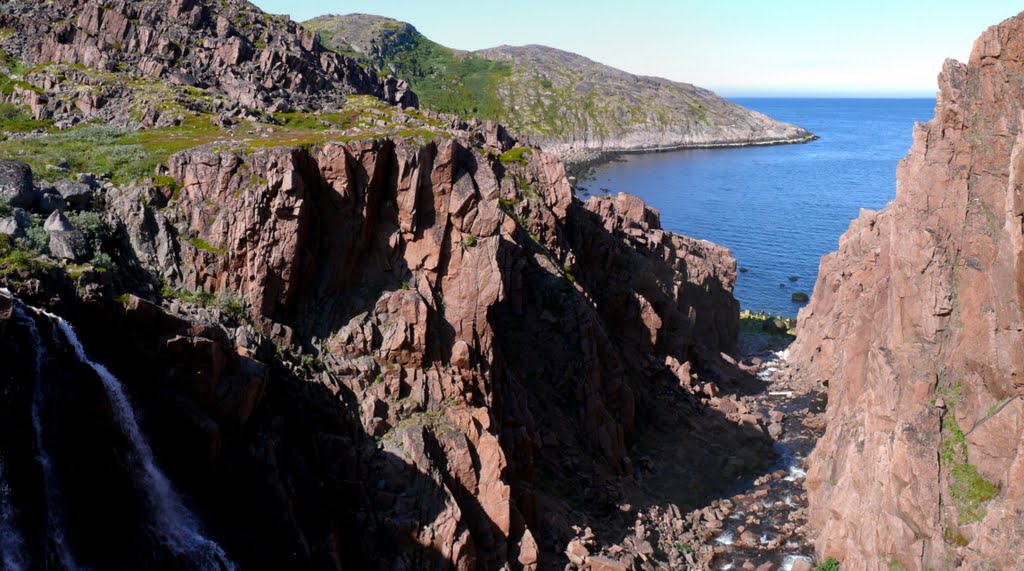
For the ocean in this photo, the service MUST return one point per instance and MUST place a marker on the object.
(778, 208)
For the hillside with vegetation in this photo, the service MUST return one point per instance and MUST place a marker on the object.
(560, 100)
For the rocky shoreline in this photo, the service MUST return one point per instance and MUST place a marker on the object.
(581, 163)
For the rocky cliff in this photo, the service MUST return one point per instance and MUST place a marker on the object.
(480, 325)
(318, 328)
(916, 327)
(562, 101)
(116, 62)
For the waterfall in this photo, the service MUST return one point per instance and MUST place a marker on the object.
(51, 489)
(173, 523)
(12, 547)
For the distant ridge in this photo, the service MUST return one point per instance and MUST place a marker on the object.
(559, 99)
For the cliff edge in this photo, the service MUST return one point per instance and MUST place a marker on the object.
(916, 327)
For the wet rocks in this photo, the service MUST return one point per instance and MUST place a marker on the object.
(800, 297)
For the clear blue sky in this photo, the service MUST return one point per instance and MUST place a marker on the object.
(737, 47)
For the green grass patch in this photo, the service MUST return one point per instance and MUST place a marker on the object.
(969, 491)
(760, 322)
(518, 155)
(130, 155)
(830, 564)
(15, 119)
(204, 246)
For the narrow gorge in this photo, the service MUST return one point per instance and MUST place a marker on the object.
(260, 310)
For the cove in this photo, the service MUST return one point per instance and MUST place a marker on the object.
(778, 208)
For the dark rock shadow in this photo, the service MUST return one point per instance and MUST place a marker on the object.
(299, 485)
(588, 399)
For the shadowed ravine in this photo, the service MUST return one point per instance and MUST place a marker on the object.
(316, 327)
(173, 526)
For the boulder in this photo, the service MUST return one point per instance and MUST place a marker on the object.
(16, 183)
(776, 325)
(50, 201)
(70, 245)
(77, 195)
(16, 223)
(800, 297)
(66, 241)
(57, 222)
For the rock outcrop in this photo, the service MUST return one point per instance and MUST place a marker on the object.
(434, 276)
(564, 102)
(916, 327)
(457, 335)
(360, 337)
(113, 61)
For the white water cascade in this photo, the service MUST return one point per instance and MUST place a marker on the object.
(174, 524)
(12, 546)
(54, 523)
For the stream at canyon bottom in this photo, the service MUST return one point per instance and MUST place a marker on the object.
(763, 518)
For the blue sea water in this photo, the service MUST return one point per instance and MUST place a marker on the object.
(778, 208)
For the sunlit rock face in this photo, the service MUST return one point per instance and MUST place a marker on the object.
(916, 326)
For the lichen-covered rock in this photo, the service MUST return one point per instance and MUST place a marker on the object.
(16, 184)
(916, 326)
(16, 223)
(76, 195)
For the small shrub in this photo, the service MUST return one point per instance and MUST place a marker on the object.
(16, 260)
(830, 564)
(231, 304)
(199, 297)
(91, 224)
(103, 262)
(470, 241)
(36, 241)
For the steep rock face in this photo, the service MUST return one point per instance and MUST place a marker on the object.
(484, 322)
(916, 325)
(228, 50)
